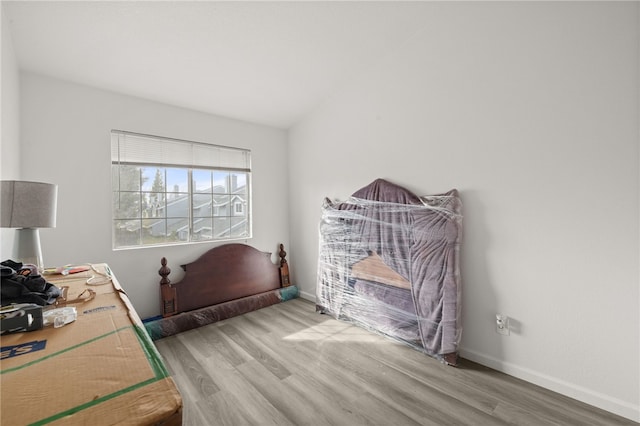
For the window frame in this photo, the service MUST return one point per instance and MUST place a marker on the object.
(233, 168)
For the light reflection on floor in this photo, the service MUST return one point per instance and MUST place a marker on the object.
(336, 331)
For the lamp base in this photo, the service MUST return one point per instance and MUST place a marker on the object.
(27, 247)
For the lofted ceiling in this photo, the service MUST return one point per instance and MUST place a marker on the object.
(265, 62)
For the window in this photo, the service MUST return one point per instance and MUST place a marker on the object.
(239, 207)
(169, 191)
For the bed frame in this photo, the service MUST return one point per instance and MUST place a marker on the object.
(224, 282)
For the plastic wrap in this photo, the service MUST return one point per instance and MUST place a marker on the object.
(389, 262)
(164, 327)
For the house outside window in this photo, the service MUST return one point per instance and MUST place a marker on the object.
(168, 191)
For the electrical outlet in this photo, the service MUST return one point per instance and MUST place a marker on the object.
(502, 324)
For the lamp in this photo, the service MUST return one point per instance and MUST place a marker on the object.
(28, 206)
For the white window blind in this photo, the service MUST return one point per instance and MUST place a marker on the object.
(134, 148)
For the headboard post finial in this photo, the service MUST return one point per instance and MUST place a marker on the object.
(164, 272)
(167, 291)
(282, 255)
(284, 268)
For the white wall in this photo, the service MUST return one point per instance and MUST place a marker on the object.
(531, 111)
(66, 140)
(9, 123)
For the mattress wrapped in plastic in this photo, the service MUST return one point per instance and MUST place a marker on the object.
(389, 262)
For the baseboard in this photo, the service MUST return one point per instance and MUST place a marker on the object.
(308, 296)
(588, 396)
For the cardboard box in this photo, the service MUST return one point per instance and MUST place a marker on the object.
(100, 369)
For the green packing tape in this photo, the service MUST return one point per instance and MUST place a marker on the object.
(151, 353)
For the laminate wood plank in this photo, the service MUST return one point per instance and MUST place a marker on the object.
(174, 366)
(191, 395)
(237, 391)
(436, 376)
(222, 409)
(297, 407)
(191, 413)
(261, 354)
(288, 365)
(322, 400)
(374, 411)
(188, 368)
(517, 416)
(210, 340)
(257, 325)
(305, 360)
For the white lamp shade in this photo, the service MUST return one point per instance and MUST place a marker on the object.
(28, 204)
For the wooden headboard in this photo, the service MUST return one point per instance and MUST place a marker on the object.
(222, 274)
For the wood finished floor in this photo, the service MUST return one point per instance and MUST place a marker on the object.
(287, 365)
